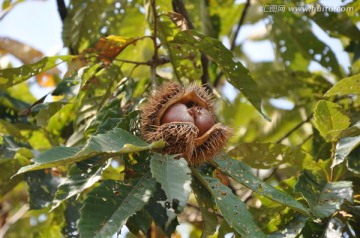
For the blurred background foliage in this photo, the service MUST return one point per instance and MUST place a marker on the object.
(73, 162)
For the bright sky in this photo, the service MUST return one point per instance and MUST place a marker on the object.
(38, 24)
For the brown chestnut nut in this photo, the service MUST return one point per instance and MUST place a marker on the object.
(202, 118)
(177, 113)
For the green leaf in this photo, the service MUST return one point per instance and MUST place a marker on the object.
(324, 198)
(297, 44)
(108, 206)
(12, 76)
(205, 203)
(240, 172)
(116, 141)
(47, 111)
(12, 162)
(77, 180)
(162, 211)
(140, 221)
(7, 128)
(269, 155)
(330, 119)
(349, 85)
(231, 207)
(238, 75)
(42, 188)
(353, 162)
(174, 176)
(344, 148)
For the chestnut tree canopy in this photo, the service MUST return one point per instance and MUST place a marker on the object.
(73, 162)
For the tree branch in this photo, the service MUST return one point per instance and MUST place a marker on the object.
(240, 23)
(154, 38)
(62, 9)
(179, 7)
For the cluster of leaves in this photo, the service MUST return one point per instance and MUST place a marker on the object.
(88, 173)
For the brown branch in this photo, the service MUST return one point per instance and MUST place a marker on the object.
(62, 9)
(179, 7)
(240, 23)
(156, 48)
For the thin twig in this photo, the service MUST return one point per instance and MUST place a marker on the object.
(156, 48)
(233, 40)
(295, 128)
(241, 22)
(17, 216)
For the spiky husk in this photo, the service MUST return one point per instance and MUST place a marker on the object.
(214, 143)
(181, 137)
(150, 110)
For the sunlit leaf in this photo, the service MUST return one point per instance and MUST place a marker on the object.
(10, 162)
(240, 172)
(108, 206)
(268, 155)
(174, 177)
(77, 181)
(231, 207)
(344, 148)
(116, 141)
(46, 111)
(238, 75)
(6, 128)
(330, 119)
(12, 76)
(346, 86)
(324, 198)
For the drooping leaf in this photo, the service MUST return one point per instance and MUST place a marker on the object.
(298, 45)
(240, 172)
(12, 160)
(77, 181)
(71, 216)
(344, 148)
(140, 221)
(174, 176)
(162, 211)
(237, 74)
(116, 141)
(42, 187)
(268, 155)
(346, 86)
(231, 207)
(12, 76)
(353, 162)
(108, 206)
(6, 128)
(205, 203)
(46, 111)
(330, 119)
(324, 198)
